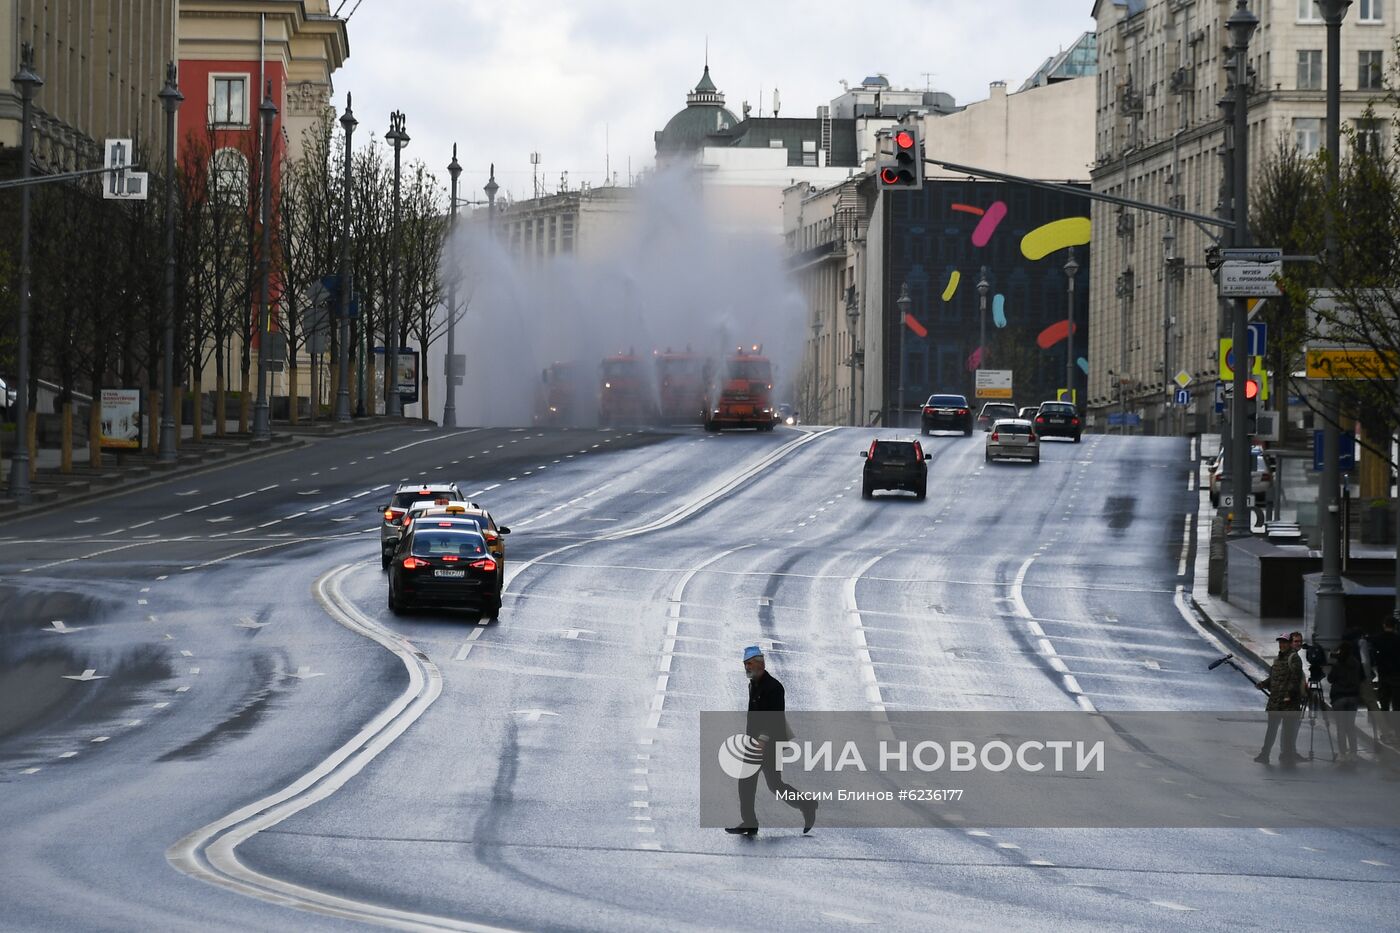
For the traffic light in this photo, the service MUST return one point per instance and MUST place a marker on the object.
(906, 168)
(1251, 406)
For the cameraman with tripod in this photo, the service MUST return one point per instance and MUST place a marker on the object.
(1287, 691)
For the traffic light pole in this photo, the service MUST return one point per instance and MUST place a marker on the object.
(1242, 24)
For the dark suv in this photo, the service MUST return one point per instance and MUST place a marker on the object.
(1058, 419)
(894, 465)
(947, 413)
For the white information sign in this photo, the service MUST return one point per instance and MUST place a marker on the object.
(1249, 279)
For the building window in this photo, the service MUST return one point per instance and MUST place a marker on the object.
(1309, 69)
(229, 100)
(809, 152)
(1369, 136)
(1369, 74)
(228, 177)
(1307, 135)
(1370, 11)
(1308, 12)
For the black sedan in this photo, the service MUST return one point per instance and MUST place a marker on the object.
(947, 413)
(1058, 419)
(445, 564)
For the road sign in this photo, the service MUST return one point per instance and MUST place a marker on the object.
(1117, 419)
(1346, 451)
(1220, 394)
(1258, 342)
(1342, 363)
(1251, 254)
(994, 383)
(1227, 501)
(1183, 379)
(1066, 395)
(1226, 355)
(119, 183)
(1183, 397)
(1249, 279)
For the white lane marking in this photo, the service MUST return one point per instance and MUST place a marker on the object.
(86, 521)
(266, 488)
(1047, 647)
(58, 626)
(215, 521)
(187, 492)
(69, 560)
(1375, 862)
(247, 494)
(1185, 547)
(102, 738)
(853, 616)
(431, 440)
(847, 918)
(89, 674)
(1269, 832)
(210, 853)
(31, 771)
(222, 501)
(142, 525)
(1172, 905)
(304, 672)
(198, 508)
(69, 755)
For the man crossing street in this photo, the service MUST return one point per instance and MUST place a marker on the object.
(767, 725)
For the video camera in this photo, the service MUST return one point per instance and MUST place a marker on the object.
(1317, 662)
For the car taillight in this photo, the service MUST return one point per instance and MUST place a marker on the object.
(485, 563)
(1074, 421)
(1039, 419)
(413, 563)
(962, 411)
(994, 435)
(489, 535)
(391, 514)
(407, 520)
(449, 557)
(928, 411)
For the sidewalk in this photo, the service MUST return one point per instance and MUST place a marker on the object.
(51, 488)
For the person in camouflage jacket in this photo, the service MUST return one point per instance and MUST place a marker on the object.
(1287, 690)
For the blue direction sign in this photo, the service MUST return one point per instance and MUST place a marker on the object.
(1183, 397)
(1258, 341)
(1346, 452)
(1117, 419)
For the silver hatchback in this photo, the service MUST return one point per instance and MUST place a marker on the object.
(1013, 437)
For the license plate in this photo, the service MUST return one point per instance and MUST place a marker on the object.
(456, 574)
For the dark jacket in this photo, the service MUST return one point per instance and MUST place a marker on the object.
(767, 704)
(1385, 653)
(1286, 682)
(1345, 678)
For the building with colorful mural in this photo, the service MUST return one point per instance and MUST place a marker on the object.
(852, 249)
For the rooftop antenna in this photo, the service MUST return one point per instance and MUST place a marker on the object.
(535, 163)
(928, 80)
(775, 103)
(607, 155)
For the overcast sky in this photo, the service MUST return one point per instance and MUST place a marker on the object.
(587, 82)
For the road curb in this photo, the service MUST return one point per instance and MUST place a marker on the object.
(56, 490)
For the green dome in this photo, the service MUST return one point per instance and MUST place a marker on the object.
(704, 115)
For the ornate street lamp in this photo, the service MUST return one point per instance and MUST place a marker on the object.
(170, 98)
(342, 395)
(398, 138)
(449, 408)
(262, 424)
(29, 84)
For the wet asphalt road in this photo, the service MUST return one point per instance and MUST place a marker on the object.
(542, 771)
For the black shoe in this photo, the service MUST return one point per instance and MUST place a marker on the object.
(742, 830)
(809, 815)
(1262, 758)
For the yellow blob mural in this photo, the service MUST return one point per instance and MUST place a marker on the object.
(952, 285)
(1044, 240)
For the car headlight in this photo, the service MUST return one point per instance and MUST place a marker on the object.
(791, 420)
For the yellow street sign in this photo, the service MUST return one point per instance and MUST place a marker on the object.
(1345, 363)
(1065, 395)
(1256, 368)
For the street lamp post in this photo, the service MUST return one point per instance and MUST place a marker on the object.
(1331, 606)
(1241, 24)
(491, 188)
(392, 403)
(29, 84)
(170, 98)
(1168, 270)
(902, 302)
(853, 318)
(342, 395)
(449, 408)
(983, 287)
(262, 424)
(1071, 269)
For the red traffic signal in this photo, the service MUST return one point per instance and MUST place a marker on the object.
(1251, 388)
(906, 168)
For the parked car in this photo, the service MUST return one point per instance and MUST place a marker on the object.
(991, 411)
(894, 464)
(1028, 413)
(1261, 479)
(1013, 437)
(946, 413)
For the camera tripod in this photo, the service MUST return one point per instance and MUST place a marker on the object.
(1312, 707)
